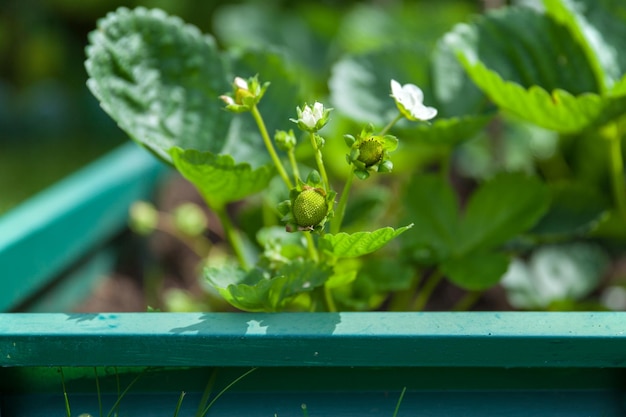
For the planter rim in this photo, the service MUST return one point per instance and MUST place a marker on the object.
(52, 230)
(387, 339)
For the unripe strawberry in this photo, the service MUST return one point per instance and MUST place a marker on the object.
(310, 208)
(370, 152)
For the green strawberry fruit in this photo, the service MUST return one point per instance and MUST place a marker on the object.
(370, 152)
(310, 208)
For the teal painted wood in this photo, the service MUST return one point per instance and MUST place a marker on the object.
(320, 339)
(49, 232)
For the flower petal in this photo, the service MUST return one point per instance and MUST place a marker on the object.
(414, 92)
(396, 89)
(423, 112)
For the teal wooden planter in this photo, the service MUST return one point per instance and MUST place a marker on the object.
(58, 239)
(347, 364)
(482, 364)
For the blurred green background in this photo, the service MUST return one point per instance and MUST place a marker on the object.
(50, 124)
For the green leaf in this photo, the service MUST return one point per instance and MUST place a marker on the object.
(432, 207)
(500, 209)
(264, 25)
(360, 84)
(551, 83)
(264, 291)
(559, 111)
(505, 41)
(455, 93)
(600, 28)
(344, 245)
(449, 132)
(575, 209)
(555, 273)
(159, 79)
(218, 178)
(476, 271)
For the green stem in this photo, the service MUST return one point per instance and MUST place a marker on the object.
(270, 147)
(95, 371)
(311, 247)
(180, 403)
(427, 290)
(395, 413)
(401, 300)
(123, 394)
(467, 301)
(232, 236)
(617, 170)
(335, 225)
(198, 244)
(390, 125)
(330, 302)
(294, 165)
(68, 411)
(319, 161)
(219, 394)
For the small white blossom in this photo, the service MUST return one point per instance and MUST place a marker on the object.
(227, 99)
(241, 83)
(313, 118)
(310, 116)
(409, 99)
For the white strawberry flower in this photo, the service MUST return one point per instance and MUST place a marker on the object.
(409, 99)
(312, 118)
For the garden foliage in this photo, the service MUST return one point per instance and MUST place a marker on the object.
(548, 82)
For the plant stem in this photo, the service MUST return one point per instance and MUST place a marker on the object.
(335, 225)
(232, 236)
(330, 302)
(270, 147)
(320, 163)
(401, 300)
(467, 301)
(294, 165)
(219, 394)
(395, 413)
(68, 411)
(390, 125)
(179, 404)
(198, 245)
(617, 169)
(427, 290)
(311, 247)
(123, 394)
(95, 371)
(206, 394)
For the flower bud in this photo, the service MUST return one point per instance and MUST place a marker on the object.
(245, 94)
(312, 118)
(190, 220)
(370, 152)
(285, 140)
(144, 218)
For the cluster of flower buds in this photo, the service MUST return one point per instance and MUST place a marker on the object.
(310, 204)
(246, 94)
